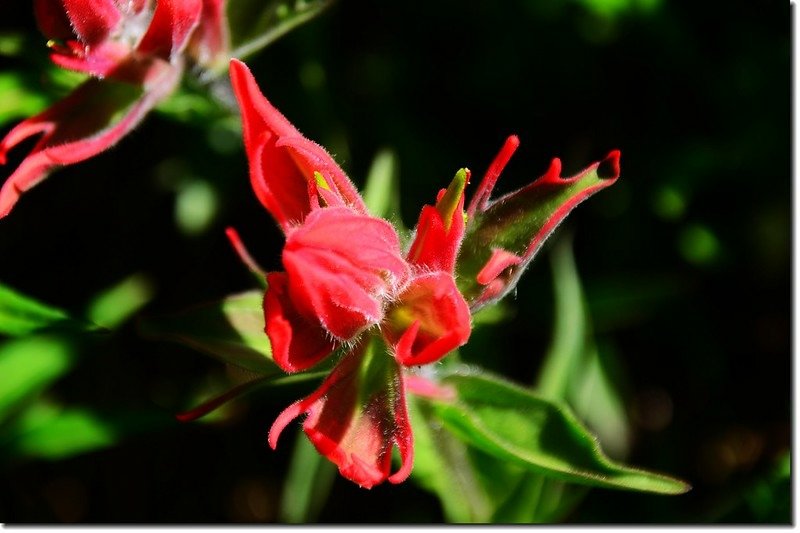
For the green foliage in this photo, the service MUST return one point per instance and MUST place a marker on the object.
(519, 426)
(29, 365)
(21, 315)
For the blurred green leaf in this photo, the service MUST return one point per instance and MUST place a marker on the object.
(28, 366)
(574, 370)
(16, 100)
(441, 465)
(21, 315)
(231, 330)
(48, 431)
(118, 303)
(516, 425)
(538, 499)
(307, 484)
(382, 188)
(255, 24)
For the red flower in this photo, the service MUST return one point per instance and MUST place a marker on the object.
(134, 50)
(347, 285)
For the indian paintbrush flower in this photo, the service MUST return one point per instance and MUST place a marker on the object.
(347, 288)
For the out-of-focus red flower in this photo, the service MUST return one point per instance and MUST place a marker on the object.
(135, 51)
(348, 286)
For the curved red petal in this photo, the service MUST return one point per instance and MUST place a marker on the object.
(429, 319)
(296, 343)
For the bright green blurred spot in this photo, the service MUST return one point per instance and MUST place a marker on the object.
(195, 207)
(49, 432)
(669, 203)
(117, 304)
(28, 366)
(17, 101)
(21, 315)
(698, 244)
(613, 8)
(11, 44)
(308, 483)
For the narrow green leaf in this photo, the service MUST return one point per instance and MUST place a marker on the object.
(514, 424)
(231, 330)
(28, 366)
(570, 328)
(21, 315)
(307, 485)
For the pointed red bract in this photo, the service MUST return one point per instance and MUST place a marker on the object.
(356, 423)
(282, 161)
(504, 235)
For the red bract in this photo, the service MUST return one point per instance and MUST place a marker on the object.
(503, 236)
(347, 285)
(135, 50)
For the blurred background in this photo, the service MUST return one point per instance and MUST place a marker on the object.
(684, 262)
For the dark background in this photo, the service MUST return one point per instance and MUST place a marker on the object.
(685, 260)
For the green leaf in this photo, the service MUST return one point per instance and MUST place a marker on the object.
(516, 425)
(231, 330)
(574, 369)
(538, 499)
(48, 431)
(255, 24)
(22, 315)
(307, 485)
(28, 366)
